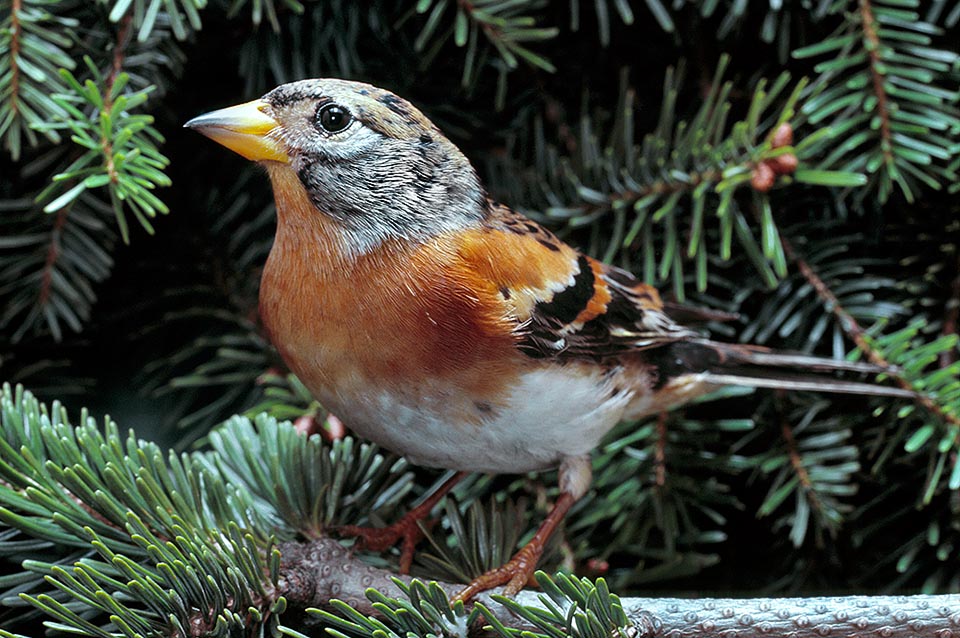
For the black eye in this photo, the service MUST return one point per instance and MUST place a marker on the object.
(333, 118)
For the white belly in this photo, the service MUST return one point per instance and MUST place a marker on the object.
(554, 412)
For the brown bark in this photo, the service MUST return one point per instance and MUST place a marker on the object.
(313, 573)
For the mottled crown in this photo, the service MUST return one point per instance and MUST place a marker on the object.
(388, 173)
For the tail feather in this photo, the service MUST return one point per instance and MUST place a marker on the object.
(807, 383)
(720, 364)
(756, 355)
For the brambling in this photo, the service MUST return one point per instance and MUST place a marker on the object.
(447, 327)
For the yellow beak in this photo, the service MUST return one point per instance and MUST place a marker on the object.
(244, 129)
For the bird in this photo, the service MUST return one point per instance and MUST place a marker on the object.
(451, 329)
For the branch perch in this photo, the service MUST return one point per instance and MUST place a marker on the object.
(314, 572)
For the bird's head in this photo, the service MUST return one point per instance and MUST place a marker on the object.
(366, 158)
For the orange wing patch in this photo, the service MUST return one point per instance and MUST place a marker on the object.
(563, 304)
(518, 262)
(597, 304)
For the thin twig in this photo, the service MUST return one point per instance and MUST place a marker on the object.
(116, 67)
(660, 451)
(853, 330)
(15, 33)
(119, 53)
(53, 255)
(876, 63)
(627, 198)
(951, 315)
(796, 461)
(53, 251)
(492, 33)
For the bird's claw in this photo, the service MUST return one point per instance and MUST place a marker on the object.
(378, 539)
(515, 575)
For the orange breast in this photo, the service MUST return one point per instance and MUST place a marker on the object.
(401, 320)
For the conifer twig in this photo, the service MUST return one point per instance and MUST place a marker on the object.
(15, 34)
(660, 450)
(490, 31)
(116, 67)
(951, 315)
(796, 459)
(876, 63)
(54, 250)
(53, 254)
(852, 329)
(627, 197)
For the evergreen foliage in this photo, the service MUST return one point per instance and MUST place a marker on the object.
(794, 166)
(884, 72)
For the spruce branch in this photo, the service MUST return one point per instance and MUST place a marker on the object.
(656, 194)
(53, 254)
(795, 316)
(182, 16)
(778, 23)
(313, 486)
(117, 151)
(624, 11)
(912, 362)
(152, 58)
(171, 542)
(939, 388)
(324, 39)
(815, 464)
(34, 44)
(872, 46)
(888, 97)
(776, 18)
(951, 318)
(120, 149)
(51, 265)
(482, 536)
(269, 8)
(505, 25)
(947, 413)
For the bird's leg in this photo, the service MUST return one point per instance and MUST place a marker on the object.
(516, 573)
(380, 538)
(575, 476)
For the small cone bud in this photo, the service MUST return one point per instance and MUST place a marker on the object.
(306, 425)
(762, 178)
(783, 136)
(784, 164)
